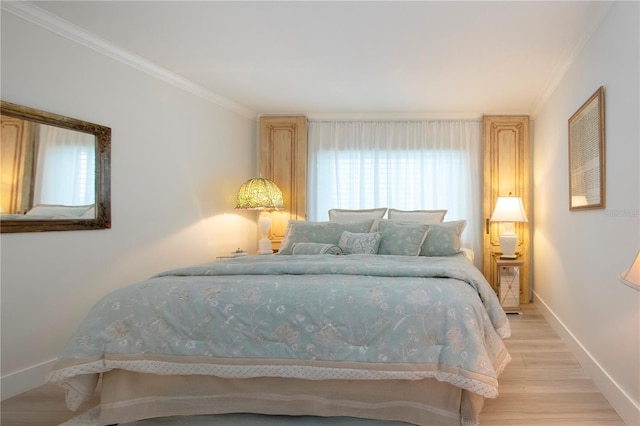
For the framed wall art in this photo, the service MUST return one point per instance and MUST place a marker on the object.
(587, 155)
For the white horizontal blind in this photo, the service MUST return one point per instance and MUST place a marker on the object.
(65, 167)
(406, 165)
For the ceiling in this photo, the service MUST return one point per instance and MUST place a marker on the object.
(351, 57)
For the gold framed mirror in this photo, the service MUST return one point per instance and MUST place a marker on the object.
(55, 173)
(587, 155)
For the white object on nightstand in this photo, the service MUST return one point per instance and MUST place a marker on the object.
(509, 284)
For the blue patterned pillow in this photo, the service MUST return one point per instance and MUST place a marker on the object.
(360, 243)
(402, 239)
(300, 231)
(315, 248)
(443, 238)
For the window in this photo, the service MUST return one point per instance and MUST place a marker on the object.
(407, 180)
(401, 165)
(65, 167)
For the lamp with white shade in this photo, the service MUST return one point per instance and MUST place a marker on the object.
(631, 277)
(264, 195)
(508, 211)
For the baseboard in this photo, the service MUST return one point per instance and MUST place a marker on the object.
(622, 402)
(24, 380)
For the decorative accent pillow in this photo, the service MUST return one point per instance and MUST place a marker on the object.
(300, 231)
(344, 215)
(402, 239)
(417, 216)
(443, 238)
(314, 248)
(361, 243)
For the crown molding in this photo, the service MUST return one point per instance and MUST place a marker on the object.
(392, 116)
(562, 67)
(50, 22)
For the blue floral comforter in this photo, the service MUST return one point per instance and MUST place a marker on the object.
(361, 317)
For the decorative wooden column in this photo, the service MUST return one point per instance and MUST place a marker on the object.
(506, 172)
(16, 170)
(283, 159)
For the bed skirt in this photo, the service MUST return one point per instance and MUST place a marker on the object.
(130, 396)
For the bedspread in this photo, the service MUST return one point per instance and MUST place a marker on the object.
(361, 317)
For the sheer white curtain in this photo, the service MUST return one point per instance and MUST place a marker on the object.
(65, 167)
(408, 165)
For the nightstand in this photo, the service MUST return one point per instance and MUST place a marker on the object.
(509, 284)
(233, 255)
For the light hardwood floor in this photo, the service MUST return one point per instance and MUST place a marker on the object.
(543, 385)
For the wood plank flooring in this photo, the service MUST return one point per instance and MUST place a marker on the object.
(543, 385)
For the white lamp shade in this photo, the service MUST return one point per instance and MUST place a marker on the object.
(631, 276)
(509, 209)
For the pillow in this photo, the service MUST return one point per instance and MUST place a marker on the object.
(363, 243)
(344, 215)
(314, 248)
(59, 210)
(443, 238)
(402, 239)
(419, 216)
(300, 231)
(89, 214)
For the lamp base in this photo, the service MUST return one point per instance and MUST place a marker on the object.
(508, 243)
(264, 246)
(264, 223)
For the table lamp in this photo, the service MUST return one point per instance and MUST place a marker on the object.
(631, 276)
(264, 195)
(508, 211)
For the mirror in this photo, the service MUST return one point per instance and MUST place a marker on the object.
(54, 172)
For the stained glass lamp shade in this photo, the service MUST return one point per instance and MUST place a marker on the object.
(264, 195)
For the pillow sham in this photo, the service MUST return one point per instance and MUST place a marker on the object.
(401, 239)
(300, 231)
(443, 239)
(89, 214)
(345, 215)
(419, 216)
(59, 210)
(359, 243)
(314, 248)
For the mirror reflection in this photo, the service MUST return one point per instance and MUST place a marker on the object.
(44, 167)
(54, 172)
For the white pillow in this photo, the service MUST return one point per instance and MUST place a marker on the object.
(59, 210)
(345, 215)
(417, 216)
(89, 214)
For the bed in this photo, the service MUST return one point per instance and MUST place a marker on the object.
(411, 338)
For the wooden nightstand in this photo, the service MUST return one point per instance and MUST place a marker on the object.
(509, 284)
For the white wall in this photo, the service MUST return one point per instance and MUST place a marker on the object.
(578, 255)
(177, 162)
